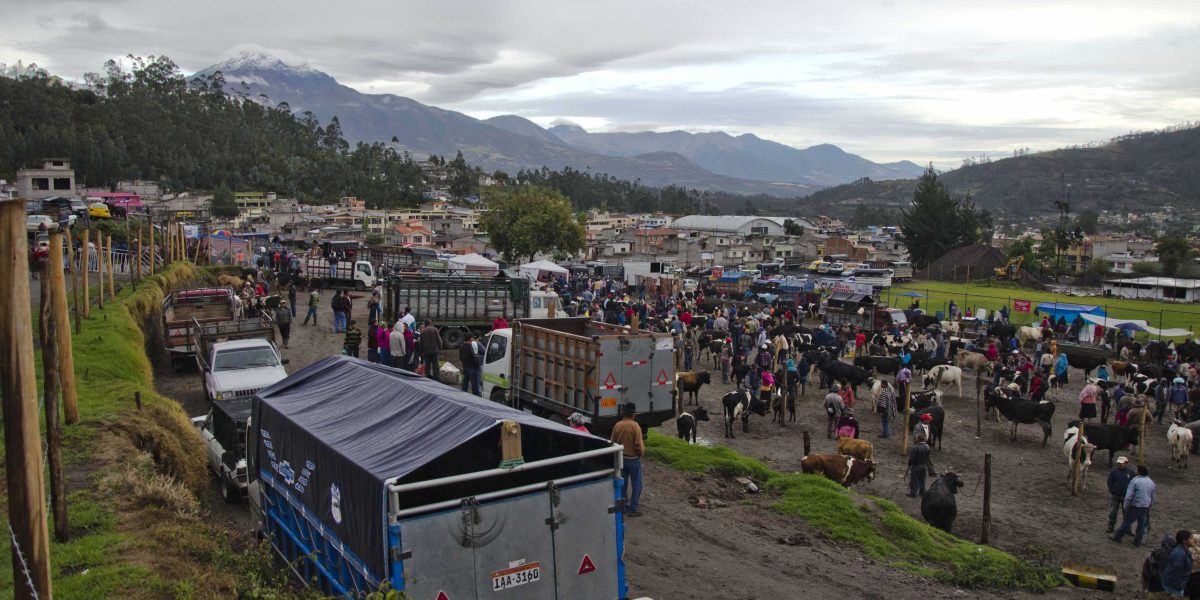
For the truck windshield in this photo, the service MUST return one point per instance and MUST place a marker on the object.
(244, 358)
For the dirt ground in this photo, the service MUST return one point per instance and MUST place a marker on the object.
(735, 552)
(1032, 507)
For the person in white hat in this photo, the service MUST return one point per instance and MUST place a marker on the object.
(1118, 483)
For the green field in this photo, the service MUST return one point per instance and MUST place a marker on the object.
(992, 296)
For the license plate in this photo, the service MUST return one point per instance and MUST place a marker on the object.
(502, 580)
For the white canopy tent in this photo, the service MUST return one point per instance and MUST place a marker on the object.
(1135, 325)
(536, 269)
(475, 264)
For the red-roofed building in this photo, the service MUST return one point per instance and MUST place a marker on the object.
(411, 235)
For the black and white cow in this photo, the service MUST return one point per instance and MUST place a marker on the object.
(738, 404)
(687, 423)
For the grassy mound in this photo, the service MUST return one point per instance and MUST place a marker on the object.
(137, 528)
(877, 526)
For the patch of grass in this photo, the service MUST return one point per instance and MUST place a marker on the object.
(877, 526)
(993, 295)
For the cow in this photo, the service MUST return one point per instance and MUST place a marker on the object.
(922, 321)
(889, 365)
(845, 470)
(714, 350)
(965, 359)
(937, 423)
(230, 281)
(837, 370)
(739, 404)
(938, 505)
(687, 423)
(1018, 410)
(1028, 334)
(1188, 351)
(1194, 426)
(739, 372)
(1085, 363)
(1113, 438)
(1124, 369)
(950, 327)
(944, 374)
(1077, 449)
(690, 382)
(927, 364)
(924, 399)
(1180, 438)
(860, 449)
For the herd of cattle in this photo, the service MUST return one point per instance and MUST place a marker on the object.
(1004, 393)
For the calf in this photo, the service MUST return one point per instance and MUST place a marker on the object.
(739, 404)
(1019, 410)
(687, 423)
(944, 375)
(1113, 438)
(938, 505)
(845, 470)
(924, 399)
(690, 382)
(860, 449)
(1180, 438)
(1079, 453)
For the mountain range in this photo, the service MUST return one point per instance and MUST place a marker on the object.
(707, 161)
(1137, 172)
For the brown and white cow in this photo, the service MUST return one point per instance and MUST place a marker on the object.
(845, 470)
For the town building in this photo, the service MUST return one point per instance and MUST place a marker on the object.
(695, 225)
(55, 178)
(1154, 288)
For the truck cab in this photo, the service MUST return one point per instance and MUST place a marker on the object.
(358, 274)
(223, 430)
(497, 365)
(239, 368)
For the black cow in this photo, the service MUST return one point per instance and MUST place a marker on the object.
(924, 399)
(739, 372)
(1155, 351)
(686, 423)
(1084, 362)
(1113, 438)
(837, 370)
(889, 365)
(1019, 410)
(1188, 351)
(739, 404)
(690, 383)
(938, 505)
(937, 423)
(1004, 331)
(922, 321)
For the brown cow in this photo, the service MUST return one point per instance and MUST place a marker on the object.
(965, 359)
(860, 449)
(845, 470)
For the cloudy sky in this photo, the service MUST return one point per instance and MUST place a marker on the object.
(925, 81)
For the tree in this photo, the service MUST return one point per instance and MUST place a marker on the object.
(1024, 247)
(373, 239)
(1088, 221)
(532, 220)
(1174, 254)
(1146, 268)
(791, 227)
(223, 204)
(1047, 252)
(462, 179)
(936, 223)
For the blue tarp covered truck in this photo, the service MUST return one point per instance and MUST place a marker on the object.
(370, 478)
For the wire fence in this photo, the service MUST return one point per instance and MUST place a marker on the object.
(1024, 309)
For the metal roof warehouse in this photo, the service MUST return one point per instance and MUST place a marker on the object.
(1154, 288)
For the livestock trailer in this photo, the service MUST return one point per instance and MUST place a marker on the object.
(369, 478)
(182, 309)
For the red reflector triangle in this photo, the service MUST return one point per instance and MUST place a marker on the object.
(586, 566)
(610, 380)
(443, 596)
(662, 377)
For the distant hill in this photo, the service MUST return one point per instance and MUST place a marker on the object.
(744, 165)
(745, 156)
(1137, 171)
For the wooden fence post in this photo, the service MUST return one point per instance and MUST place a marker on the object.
(1142, 432)
(66, 354)
(152, 243)
(86, 248)
(112, 288)
(48, 332)
(18, 392)
(100, 269)
(987, 498)
(74, 281)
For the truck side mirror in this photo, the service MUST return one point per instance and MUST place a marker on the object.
(284, 361)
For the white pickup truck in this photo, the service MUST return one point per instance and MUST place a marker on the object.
(224, 433)
(236, 359)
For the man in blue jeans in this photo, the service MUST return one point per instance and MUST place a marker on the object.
(1139, 497)
(468, 355)
(629, 434)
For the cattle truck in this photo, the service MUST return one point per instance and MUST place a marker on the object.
(338, 272)
(555, 367)
(181, 309)
(368, 478)
(463, 304)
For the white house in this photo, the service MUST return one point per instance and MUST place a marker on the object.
(1154, 288)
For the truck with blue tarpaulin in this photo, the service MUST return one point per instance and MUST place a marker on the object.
(367, 478)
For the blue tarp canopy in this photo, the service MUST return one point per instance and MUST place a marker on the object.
(732, 276)
(1068, 311)
(911, 295)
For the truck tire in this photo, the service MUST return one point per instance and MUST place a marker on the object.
(360, 286)
(452, 338)
(229, 493)
(498, 396)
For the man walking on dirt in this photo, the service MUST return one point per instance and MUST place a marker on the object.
(629, 434)
(430, 345)
(283, 320)
(918, 468)
(338, 304)
(1139, 497)
(353, 339)
(314, 300)
(834, 407)
(1118, 484)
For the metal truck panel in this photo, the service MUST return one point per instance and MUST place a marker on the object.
(514, 549)
(462, 301)
(585, 541)
(436, 559)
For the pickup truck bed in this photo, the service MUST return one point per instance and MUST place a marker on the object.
(184, 308)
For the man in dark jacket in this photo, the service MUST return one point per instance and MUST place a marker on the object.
(283, 320)
(918, 468)
(468, 355)
(430, 345)
(338, 304)
(353, 339)
(1178, 567)
(1118, 483)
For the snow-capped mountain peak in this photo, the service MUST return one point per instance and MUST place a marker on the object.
(252, 57)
